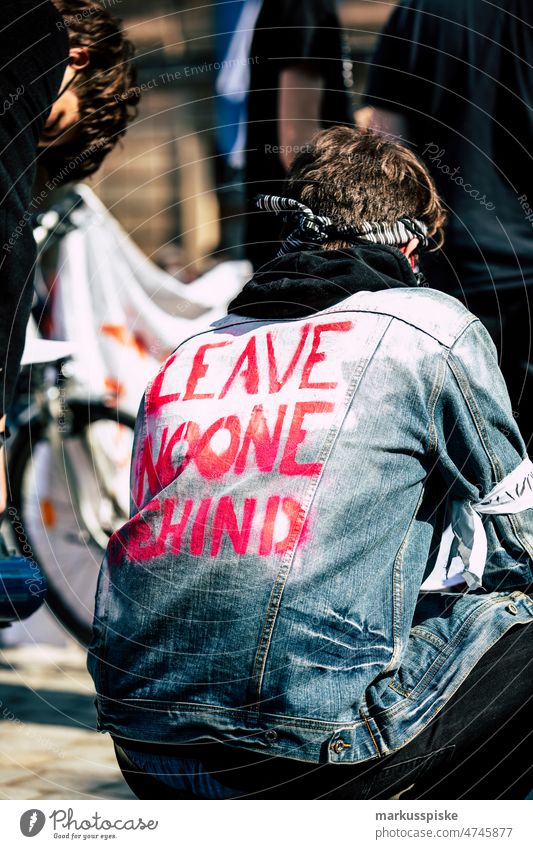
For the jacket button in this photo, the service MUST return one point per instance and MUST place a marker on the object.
(271, 736)
(512, 608)
(338, 746)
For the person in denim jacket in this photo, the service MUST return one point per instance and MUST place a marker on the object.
(323, 587)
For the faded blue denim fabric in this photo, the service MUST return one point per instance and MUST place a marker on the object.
(289, 488)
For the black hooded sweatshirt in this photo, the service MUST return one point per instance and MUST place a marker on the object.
(302, 283)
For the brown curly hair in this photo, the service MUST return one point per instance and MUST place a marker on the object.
(106, 89)
(354, 175)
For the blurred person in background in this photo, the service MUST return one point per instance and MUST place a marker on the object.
(305, 602)
(99, 93)
(34, 55)
(300, 81)
(68, 92)
(455, 79)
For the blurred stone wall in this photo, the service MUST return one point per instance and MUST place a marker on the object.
(160, 182)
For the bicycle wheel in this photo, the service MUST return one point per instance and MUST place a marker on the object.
(66, 503)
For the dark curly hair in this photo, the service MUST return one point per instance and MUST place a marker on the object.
(107, 91)
(355, 175)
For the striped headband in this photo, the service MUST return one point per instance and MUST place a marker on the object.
(314, 230)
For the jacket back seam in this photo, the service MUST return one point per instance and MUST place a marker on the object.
(277, 591)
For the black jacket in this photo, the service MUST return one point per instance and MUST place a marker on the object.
(33, 57)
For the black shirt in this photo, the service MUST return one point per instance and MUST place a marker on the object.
(287, 34)
(458, 71)
(33, 57)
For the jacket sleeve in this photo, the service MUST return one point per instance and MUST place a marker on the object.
(478, 443)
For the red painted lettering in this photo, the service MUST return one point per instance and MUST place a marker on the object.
(211, 464)
(226, 520)
(267, 534)
(199, 526)
(163, 472)
(297, 434)
(275, 383)
(258, 434)
(198, 371)
(154, 399)
(250, 373)
(186, 432)
(141, 543)
(294, 511)
(317, 356)
(145, 468)
(171, 530)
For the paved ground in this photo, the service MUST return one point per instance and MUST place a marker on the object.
(48, 746)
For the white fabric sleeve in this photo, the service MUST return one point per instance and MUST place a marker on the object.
(462, 552)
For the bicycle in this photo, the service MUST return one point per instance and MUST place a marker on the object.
(68, 484)
(69, 457)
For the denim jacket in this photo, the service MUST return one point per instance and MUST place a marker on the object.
(289, 489)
